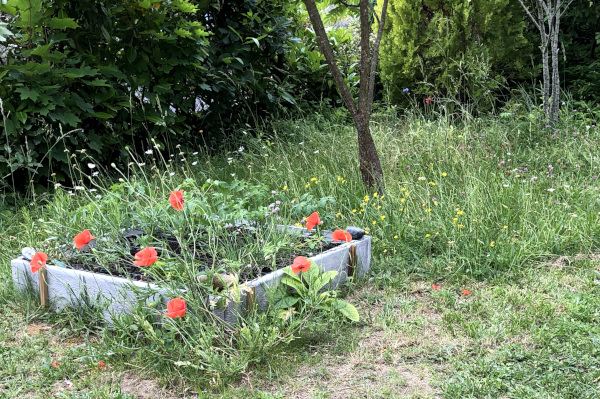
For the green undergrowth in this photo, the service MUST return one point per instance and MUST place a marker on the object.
(478, 205)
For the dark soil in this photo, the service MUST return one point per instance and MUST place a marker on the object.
(236, 236)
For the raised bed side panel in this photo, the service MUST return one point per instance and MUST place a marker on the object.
(363, 256)
(68, 287)
(334, 259)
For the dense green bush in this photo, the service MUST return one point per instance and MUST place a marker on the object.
(454, 49)
(101, 76)
(580, 44)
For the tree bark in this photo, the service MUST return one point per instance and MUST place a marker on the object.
(369, 164)
(545, 66)
(554, 107)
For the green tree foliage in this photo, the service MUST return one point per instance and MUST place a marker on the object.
(463, 50)
(103, 75)
(580, 44)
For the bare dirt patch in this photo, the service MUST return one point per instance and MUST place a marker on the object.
(147, 389)
(34, 329)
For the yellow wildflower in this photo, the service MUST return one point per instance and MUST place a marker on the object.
(459, 213)
(366, 198)
(374, 195)
(382, 217)
(506, 227)
(313, 179)
(395, 237)
(337, 215)
(432, 184)
(353, 210)
(366, 231)
(284, 188)
(492, 244)
(307, 185)
(374, 222)
(454, 220)
(428, 210)
(402, 199)
(460, 226)
(427, 235)
(444, 174)
(339, 179)
(379, 207)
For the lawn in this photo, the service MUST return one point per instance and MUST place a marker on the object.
(484, 279)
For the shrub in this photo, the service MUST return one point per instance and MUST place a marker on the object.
(456, 49)
(100, 76)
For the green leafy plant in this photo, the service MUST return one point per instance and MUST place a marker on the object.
(304, 288)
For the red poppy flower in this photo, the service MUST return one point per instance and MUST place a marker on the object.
(301, 264)
(175, 308)
(83, 238)
(101, 365)
(176, 200)
(428, 100)
(38, 261)
(341, 235)
(146, 257)
(312, 221)
(466, 292)
(55, 364)
(436, 287)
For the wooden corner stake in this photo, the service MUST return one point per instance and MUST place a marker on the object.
(352, 261)
(250, 298)
(44, 287)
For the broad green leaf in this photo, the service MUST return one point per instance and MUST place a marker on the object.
(65, 117)
(346, 309)
(285, 302)
(324, 279)
(145, 4)
(183, 33)
(63, 23)
(185, 6)
(27, 93)
(41, 50)
(288, 272)
(295, 284)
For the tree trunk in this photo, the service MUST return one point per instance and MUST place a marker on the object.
(546, 83)
(369, 163)
(370, 166)
(555, 75)
(545, 67)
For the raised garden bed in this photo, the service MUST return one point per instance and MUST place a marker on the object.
(68, 287)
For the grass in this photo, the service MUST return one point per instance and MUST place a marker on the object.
(501, 208)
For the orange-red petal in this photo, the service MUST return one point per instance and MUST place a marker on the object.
(341, 235)
(176, 200)
(146, 257)
(38, 261)
(83, 238)
(301, 264)
(176, 308)
(312, 221)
